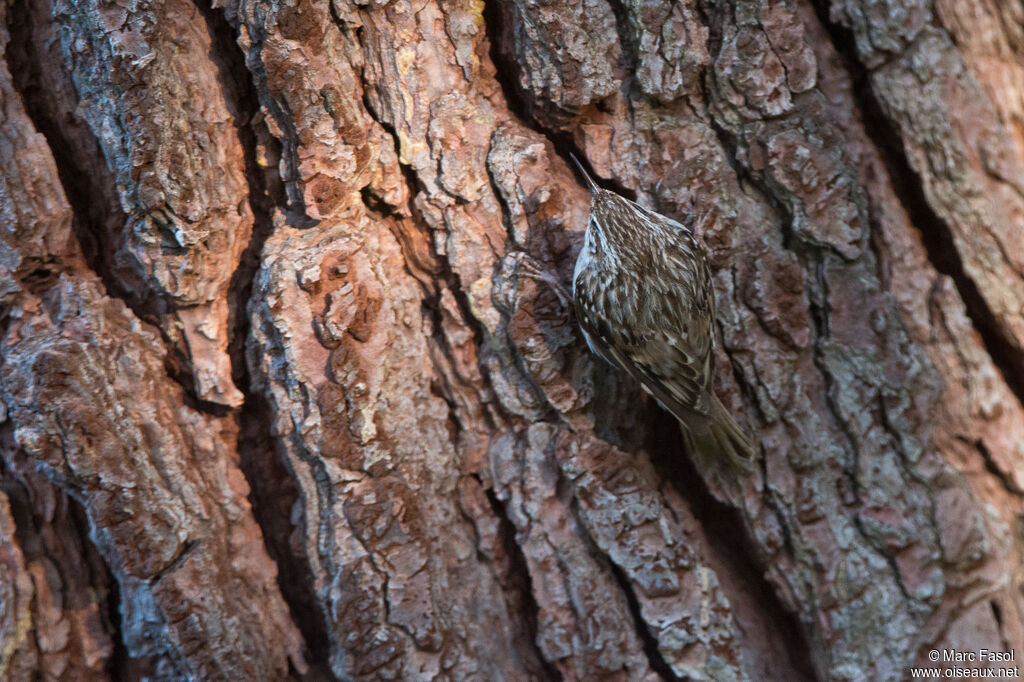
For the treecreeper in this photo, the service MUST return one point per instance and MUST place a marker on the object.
(643, 296)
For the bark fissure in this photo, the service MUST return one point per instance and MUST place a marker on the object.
(993, 468)
(818, 298)
(58, 533)
(725, 529)
(84, 191)
(187, 548)
(431, 301)
(273, 493)
(506, 74)
(90, 193)
(650, 642)
(121, 666)
(521, 580)
(820, 315)
(648, 639)
(506, 68)
(630, 57)
(909, 470)
(935, 232)
(814, 260)
(997, 616)
(119, 663)
(294, 206)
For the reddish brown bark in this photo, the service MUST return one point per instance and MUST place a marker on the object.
(282, 398)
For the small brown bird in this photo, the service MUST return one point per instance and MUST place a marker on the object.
(643, 298)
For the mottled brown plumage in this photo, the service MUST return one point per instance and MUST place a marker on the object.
(643, 297)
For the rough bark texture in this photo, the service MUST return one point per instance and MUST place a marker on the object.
(283, 395)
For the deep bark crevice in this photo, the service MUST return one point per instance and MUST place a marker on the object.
(121, 666)
(89, 191)
(252, 88)
(433, 313)
(814, 261)
(519, 105)
(936, 233)
(498, 27)
(733, 544)
(630, 49)
(522, 582)
(89, 186)
(273, 491)
(650, 643)
(993, 468)
(274, 495)
(31, 536)
(648, 640)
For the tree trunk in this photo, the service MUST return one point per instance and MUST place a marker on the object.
(290, 389)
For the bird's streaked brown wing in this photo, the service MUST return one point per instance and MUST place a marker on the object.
(672, 357)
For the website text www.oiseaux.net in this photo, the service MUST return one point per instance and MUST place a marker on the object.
(983, 664)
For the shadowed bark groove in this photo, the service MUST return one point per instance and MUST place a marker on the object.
(165, 501)
(737, 551)
(88, 188)
(71, 588)
(935, 232)
(88, 183)
(654, 657)
(519, 576)
(274, 493)
(346, 230)
(506, 71)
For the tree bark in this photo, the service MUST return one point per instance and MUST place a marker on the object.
(284, 396)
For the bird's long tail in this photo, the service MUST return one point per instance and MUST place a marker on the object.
(718, 437)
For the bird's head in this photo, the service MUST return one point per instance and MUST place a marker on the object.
(617, 222)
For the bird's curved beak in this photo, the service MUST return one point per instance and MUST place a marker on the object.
(590, 181)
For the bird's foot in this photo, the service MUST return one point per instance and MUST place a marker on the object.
(532, 268)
